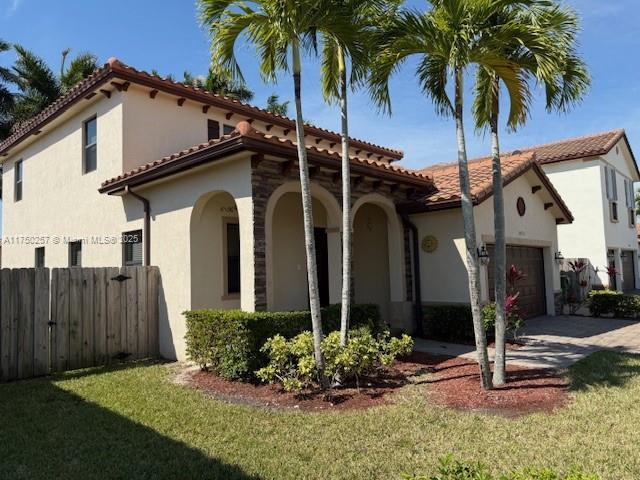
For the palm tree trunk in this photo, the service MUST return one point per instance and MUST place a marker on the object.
(470, 239)
(499, 365)
(307, 213)
(346, 205)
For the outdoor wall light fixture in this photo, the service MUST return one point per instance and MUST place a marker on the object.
(559, 257)
(483, 254)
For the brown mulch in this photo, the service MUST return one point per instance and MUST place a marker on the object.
(451, 382)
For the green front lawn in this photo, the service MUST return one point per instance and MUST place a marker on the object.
(133, 423)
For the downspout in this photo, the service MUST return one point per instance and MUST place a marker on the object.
(416, 274)
(146, 239)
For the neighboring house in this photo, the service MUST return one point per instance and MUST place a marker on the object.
(129, 168)
(533, 209)
(595, 176)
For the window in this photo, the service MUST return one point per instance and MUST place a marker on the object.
(612, 192)
(90, 145)
(213, 130)
(233, 258)
(132, 248)
(75, 254)
(17, 187)
(629, 196)
(39, 257)
(228, 129)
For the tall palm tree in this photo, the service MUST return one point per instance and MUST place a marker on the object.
(543, 47)
(275, 106)
(6, 95)
(449, 39)
(365, 16)
(39, 86)
(281, 30)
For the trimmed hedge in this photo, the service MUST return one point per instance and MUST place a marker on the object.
(603, 302)
(450, 323)
(229, 341)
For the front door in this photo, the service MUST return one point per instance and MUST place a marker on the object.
(628, 271)
(322, 262)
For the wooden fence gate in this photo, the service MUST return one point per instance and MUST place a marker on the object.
(69, 318)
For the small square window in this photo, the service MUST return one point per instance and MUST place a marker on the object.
(17, 184)
(132, 248)
(228, 129)
(213, 130)
(75, 254)
(39, 257)
(90, 145)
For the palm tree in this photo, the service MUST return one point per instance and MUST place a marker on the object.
(220, 85)
(275, 106)
(39, 86)
(6, 95)
(449, 39)
(543, 48)
(280, 30)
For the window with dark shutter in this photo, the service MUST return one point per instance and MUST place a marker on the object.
(90, 162)
(39, 257)
(75, 254)
(17, 184)
(132, 248)
(233, 258)
(213, 130)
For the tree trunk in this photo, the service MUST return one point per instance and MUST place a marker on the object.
(470, 239)
(307, 213)
(500, 261)
(346, 205)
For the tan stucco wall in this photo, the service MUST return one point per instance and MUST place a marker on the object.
(60, 202)
(443, 272)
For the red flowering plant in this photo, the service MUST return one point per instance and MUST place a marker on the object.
(581, 272)
(512, 310)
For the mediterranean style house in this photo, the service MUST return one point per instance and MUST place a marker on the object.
(129, 168)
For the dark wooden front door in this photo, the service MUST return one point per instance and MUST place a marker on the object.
(532, 298)
(628, 272)
(322, 261)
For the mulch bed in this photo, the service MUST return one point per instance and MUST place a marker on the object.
(451, 382)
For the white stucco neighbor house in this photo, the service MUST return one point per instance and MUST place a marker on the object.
(207, 189)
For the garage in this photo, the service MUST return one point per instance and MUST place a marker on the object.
(530, 260)
(628, 271)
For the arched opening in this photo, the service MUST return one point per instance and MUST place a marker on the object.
(371, 257)
(215, 252)
(286, 268)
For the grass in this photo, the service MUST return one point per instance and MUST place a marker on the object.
(132, 422)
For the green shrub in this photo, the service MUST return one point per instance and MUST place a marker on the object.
(229, 341)
(448, 322)
(292, 363)
(454, 470)
(603, 302)
(514, 320)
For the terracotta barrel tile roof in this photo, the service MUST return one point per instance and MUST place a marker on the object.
(114, 69)
(244, 131)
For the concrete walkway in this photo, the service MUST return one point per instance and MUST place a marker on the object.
(555, 342)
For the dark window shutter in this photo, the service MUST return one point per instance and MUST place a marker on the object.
(213, 130)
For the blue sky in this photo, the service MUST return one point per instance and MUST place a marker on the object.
(165, 35)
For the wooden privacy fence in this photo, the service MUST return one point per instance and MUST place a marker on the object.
(68, 318)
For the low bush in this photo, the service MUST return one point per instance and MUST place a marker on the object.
(514, 319)
(450, 323)
(292, 363)
(603, 302)
(229, 341)
(454, 470)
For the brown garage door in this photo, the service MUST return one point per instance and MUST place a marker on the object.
(531, 300)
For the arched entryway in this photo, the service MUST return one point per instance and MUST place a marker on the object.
(378, 276)
(287, 287)
(215, 252)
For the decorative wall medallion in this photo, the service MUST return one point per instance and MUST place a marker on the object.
(522, 207)
(429, 244)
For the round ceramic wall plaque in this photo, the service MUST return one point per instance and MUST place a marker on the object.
(522, 207)
(429, 243)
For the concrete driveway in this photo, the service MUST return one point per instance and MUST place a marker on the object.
(557, 342)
